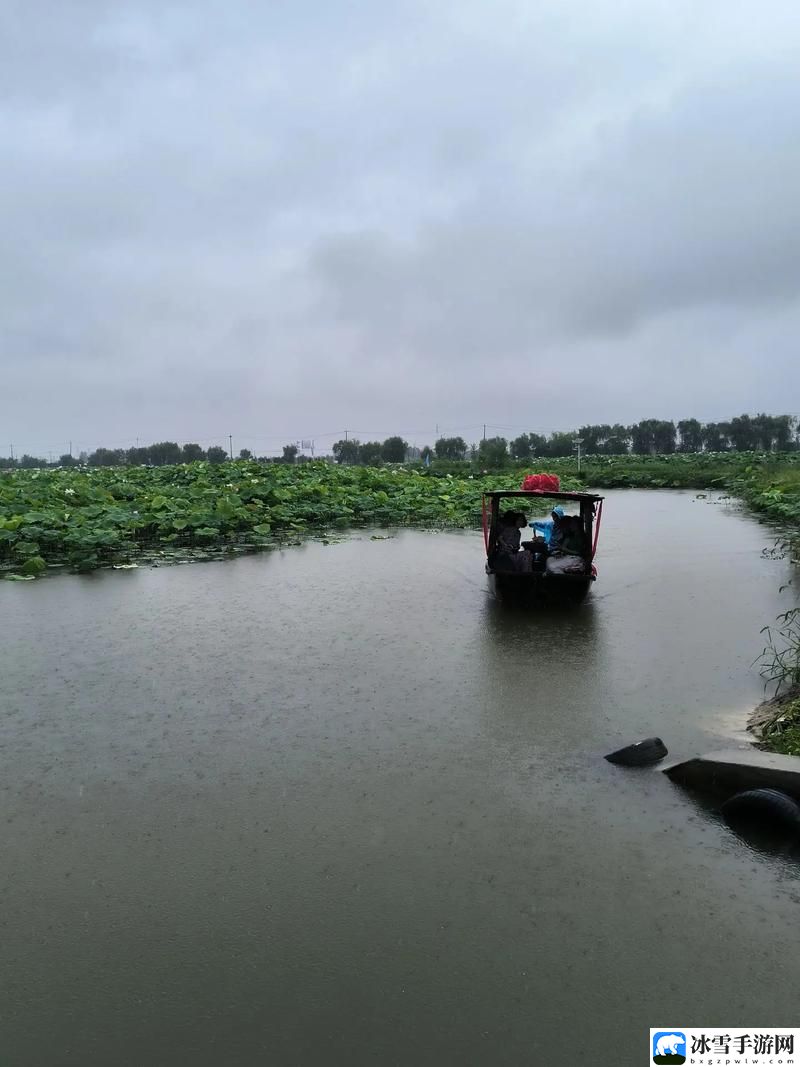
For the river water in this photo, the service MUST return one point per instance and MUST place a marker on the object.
(335, 805)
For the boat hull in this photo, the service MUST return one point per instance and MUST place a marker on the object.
(543, 588)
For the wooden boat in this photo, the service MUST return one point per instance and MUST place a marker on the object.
(541, 578)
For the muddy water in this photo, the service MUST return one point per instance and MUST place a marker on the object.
(334, 805)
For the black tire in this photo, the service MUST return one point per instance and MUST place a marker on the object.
(767, 806)
(640, 754)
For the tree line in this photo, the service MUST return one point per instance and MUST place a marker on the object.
(745, 433)
(161, 454)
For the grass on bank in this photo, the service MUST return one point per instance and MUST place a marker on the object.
(776, 725)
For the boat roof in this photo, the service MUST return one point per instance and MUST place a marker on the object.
(553, 494)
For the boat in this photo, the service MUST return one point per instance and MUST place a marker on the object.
(547, 576)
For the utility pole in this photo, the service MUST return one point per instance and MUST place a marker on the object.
(230, 444)
(70, 450)
(484, 431)
(12, 451)
(578, 443)
(346, 432)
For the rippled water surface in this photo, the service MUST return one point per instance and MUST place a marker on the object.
(335, 805)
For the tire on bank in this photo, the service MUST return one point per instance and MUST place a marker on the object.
(767, 808)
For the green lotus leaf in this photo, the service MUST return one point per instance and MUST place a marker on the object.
(34, 565)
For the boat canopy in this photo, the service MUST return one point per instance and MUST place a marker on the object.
(550, 494)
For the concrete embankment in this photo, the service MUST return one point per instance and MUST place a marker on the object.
(734, 769)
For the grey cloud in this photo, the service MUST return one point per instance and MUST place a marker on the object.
(283, 216)
(691, 207)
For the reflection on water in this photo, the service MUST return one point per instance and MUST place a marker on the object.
(536, 653)
(549, 628)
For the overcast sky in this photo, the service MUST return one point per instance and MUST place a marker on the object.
(287, 218)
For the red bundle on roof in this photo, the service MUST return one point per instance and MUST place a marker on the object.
(541, 483)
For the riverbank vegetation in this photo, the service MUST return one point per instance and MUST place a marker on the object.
(767, 482)
(776, 724)
(86, 517)
(93, 517)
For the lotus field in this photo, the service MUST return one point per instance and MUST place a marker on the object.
(90, 517)
(93, 517)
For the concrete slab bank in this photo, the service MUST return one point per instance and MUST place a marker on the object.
(733, 769)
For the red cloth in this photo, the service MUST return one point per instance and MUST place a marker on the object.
(541, 483)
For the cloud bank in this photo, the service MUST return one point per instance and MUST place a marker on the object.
(286, 220)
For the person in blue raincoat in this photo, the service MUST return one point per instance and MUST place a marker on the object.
(550, 529)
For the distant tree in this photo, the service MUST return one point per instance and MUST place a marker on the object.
(691, 435)
(521, 447)
(773, 432)
(426, 454)
(107, 457)
(138, 456)
(593, 437)
(538, 443)
(393, 450)
(742, 433)
(289, 453)
(618, 442)
(245, 453)
(763, 431)
(782, 427)
(653, 435)
(30, 462)
(346, 452)
(493, 452)
(716, 437)
(560, 444)
(7, 463)
(370, 453)
(191, 453)
(165, 453)
(642, 438)
(602, 439)
(67, 460)
(450, 448)
(216, 454)
(665, 436)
